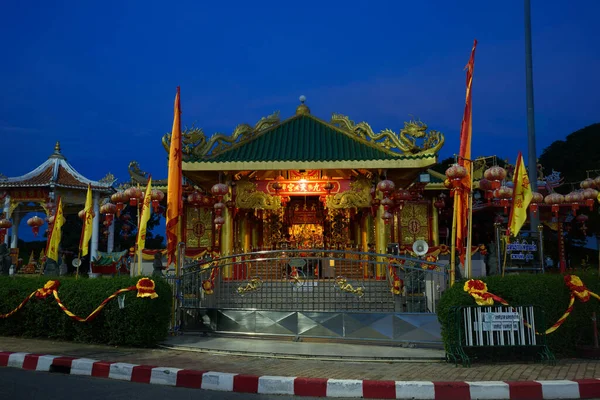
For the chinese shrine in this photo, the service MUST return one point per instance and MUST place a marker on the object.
(304, 182)
(37, 191)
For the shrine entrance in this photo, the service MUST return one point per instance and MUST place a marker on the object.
(304, 218)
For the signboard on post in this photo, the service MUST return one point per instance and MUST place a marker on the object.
(500, 321)
(521, 253)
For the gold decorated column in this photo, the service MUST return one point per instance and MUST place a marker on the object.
(364, 240)
(227, 237)
(435, 228)
(380, 241)
(245, 234)
(255, 226)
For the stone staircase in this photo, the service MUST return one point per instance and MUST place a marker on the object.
(274, 270)
(312, 295)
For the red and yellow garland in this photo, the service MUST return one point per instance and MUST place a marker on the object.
(209, 284)
(478, 290)
(145, 287)
(397, 283)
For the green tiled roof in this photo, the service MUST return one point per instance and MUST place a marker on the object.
(305, 138)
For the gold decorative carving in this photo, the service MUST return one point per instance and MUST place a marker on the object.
(388, 140)
(252, 286)
(13, 206)
(248, 197)
(359, 196)
(109, 178)
(342, 284)
(414, 223)
(198, 228)
(195, 145)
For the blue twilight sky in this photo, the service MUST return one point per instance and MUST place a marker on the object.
(101, 77)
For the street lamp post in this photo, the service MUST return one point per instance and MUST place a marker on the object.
(532, 154)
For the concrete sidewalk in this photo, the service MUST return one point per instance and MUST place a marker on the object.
(309, 368)
(307, 349)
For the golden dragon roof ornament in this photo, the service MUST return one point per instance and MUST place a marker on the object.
(195, 144)
(405, 142)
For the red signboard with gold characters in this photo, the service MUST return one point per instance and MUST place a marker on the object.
(28, 194)
(304, 187)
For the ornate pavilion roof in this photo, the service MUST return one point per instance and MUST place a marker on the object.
(305, 141)
(57, 172)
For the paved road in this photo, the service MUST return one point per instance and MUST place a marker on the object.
(17, 384)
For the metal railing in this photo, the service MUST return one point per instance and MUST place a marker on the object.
(312, 280)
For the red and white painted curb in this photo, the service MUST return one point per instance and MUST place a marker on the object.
(531, 390)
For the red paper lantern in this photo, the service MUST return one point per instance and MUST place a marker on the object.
(109, 210)
(219, 190)
(157, 197)
(587, 183)
(387, 203)
(554, 200)
(119, 199)
(134, 195)
(195, 198)
(504, 193)
(35, 223)
(5, 224)
(219, 221)
(81, 214)
(536, 200)
(589, 195)
(456, 173)
(574, 198)
(440, 203)
(402, 196)
(219, 207)
(387, 217)
(495, 175)
(386, 187)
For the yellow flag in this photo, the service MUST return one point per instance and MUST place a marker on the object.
(87, 223)
(141, 237)
(522, 195)
(56, 232)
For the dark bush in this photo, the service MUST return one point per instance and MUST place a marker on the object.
(143, 322)
(548, 291)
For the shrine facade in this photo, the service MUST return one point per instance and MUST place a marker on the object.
(307, 183)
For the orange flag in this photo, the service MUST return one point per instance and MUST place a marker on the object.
(174, 190)
(461, 197)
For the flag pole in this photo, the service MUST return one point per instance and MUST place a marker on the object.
(468, 266)
(453, 244)
(139, 251)
(532, 153)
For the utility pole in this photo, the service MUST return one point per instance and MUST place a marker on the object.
(532, 154)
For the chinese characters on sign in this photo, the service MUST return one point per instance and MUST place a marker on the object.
(306, 188)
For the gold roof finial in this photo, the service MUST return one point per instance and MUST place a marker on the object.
(302, 109)
(57, 153)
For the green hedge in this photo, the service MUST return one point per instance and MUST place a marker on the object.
(143, 322)
(547, 291)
